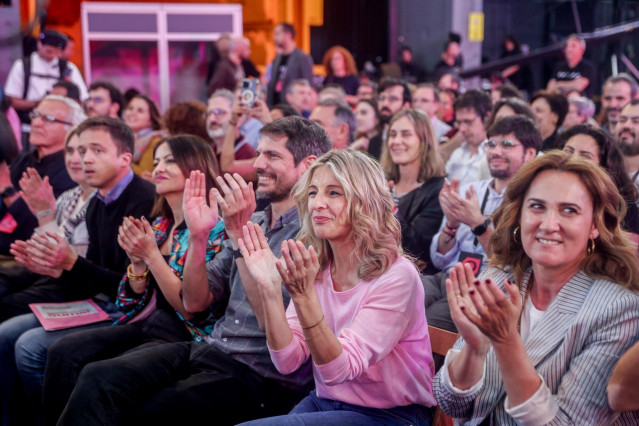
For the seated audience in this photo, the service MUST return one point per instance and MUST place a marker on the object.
(218, 124)
(412, 163)
(467, 163)
(574, 72)
(580, 111)
(142, 115)
(104, 100)
(149, 295)
(65, 215)
(50, 121)
(542, 329)
(467, 226)
(519, 75)
(9, 147)
(426, 98)
(283, 110)
(550, 109)
(300, 96)
(231, 374)
(509, 106)
(627, 138)
(353, 275)
(446, 111)
(367, 90)
(187, 118)
(105, 145)
(597, 147)
(332, 92)
(341, 71)
(66, 89)
(337, 119)
(411, 72)
(394, 95)
(368, 124)
(505, 91)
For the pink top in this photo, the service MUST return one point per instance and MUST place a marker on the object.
(386, 359)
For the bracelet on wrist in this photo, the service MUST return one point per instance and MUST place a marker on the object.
(314, 325)
(450, 234)
(132, 277)
(44, 213)
(306, 339)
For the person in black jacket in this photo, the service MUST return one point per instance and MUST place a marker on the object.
(106, 146)
(417, 172)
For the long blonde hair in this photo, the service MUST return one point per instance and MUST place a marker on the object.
(376, 232)
(431, 164)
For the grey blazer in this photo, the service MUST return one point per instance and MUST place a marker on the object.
(299, 65)
(574, 347)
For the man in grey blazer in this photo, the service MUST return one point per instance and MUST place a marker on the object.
(291, 64)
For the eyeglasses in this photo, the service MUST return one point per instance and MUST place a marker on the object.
(506, 145)
(95, 99)
(382, 98)
(468, 122)
(47, 118)
(217, 112)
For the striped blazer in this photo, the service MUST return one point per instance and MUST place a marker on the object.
(574, 347)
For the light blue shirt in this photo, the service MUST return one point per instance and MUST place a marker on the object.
(464, 238)
(115, 192)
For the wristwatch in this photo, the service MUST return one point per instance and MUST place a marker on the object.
(481, 228)
(8, 192)
(237, 254)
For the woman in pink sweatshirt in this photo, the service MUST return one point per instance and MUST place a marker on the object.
(358, 303)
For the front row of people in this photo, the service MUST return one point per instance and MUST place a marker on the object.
(237, 327)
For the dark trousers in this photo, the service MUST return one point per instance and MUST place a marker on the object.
(69, 355)
(43, 290)
(175, 383)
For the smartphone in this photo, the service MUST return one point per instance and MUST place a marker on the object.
(248, 93)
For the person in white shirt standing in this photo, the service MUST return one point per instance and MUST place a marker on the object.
(31, 78)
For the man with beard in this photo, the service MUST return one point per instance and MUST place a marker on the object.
(394, 96)
(466, 229)
(231, 374)
(617, 92)
(627, 138)
(105, 100)
(291, 64)
(218, 119)
(467, 163)
(512, 141)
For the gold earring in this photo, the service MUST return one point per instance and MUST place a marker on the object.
(591, 246)
(515, 231)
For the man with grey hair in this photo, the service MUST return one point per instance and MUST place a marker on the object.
(50, 121)
(617, 92)
(575, 72)
(338, 120)
(426, 98)
(218, 123)
(580, 111)
(299, 95)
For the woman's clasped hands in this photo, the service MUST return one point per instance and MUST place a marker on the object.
(296, 269)
(482, 312)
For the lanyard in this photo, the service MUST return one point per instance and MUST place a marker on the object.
(483, 207)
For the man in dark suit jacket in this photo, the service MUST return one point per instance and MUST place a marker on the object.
(289, 65)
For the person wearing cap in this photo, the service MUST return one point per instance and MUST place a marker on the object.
(27, 86)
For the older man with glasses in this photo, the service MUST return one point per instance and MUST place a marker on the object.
(50, 122)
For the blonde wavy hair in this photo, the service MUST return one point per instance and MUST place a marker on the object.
(613, 257)
(376, 232)
(431, 164)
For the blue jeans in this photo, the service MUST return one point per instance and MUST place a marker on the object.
(313, 410)
(23, 357)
